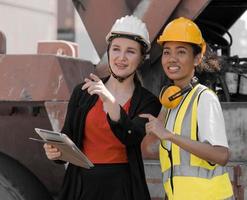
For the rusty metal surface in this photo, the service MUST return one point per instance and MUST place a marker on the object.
(190, 8)
(40, 77)
(16, 126)
(98, 17)
(238, 176)
(26, 81)
(2, 43)
(155, 14)
(237, 186)
(131, 4)
(58, 47)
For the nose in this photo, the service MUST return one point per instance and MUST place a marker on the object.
(172, 58)
(122, 55)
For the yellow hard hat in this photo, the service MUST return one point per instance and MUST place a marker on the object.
(182, 30)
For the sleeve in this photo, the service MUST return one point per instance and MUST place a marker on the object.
(211, 124)
(131, 131)
(72, 105)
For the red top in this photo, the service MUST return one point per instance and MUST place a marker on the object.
(100, 144)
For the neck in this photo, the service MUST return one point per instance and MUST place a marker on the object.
(118, 87)
(182, 83)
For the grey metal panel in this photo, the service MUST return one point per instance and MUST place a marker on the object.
(235, 114)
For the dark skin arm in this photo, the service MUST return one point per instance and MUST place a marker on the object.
(205, 151)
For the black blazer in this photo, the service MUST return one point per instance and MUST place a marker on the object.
(130, 130)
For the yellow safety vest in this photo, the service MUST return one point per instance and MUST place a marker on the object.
(186, 176)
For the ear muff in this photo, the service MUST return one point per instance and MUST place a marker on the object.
(171, 96)
(166, 96)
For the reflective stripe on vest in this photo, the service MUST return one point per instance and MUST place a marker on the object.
(193, 172)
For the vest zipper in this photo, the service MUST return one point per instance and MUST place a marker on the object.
(170, 152)
(171, 178)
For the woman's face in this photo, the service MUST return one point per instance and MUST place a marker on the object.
(179, 62)
(124, 56)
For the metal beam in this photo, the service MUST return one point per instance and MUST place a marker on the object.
(155, 14)
(98, 17)
(190, 8)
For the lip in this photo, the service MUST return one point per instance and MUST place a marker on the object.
(173, 68)
(121, 66)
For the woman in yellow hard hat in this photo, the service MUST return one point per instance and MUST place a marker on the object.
(194, 146)
(103, 120)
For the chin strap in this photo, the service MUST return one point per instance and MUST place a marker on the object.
(119, 78)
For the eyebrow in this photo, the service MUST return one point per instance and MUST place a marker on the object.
(178, 47)
(130, 48)
(183, 47)
(115, 45)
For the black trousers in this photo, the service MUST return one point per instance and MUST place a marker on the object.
(106, 182)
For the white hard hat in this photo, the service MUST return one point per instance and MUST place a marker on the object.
(130, 26)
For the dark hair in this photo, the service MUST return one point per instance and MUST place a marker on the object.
(210, 61)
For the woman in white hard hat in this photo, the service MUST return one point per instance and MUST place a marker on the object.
(103, 120)
(194, 146)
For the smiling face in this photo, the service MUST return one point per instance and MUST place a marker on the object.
(124, 56)
(179, 61)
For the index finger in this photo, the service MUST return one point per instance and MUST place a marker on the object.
(148, 116)
(94, 77)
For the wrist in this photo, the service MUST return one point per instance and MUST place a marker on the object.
(110, 100)
(171, 136)
(167, 135)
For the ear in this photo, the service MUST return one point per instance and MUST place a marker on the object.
(197, 59)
